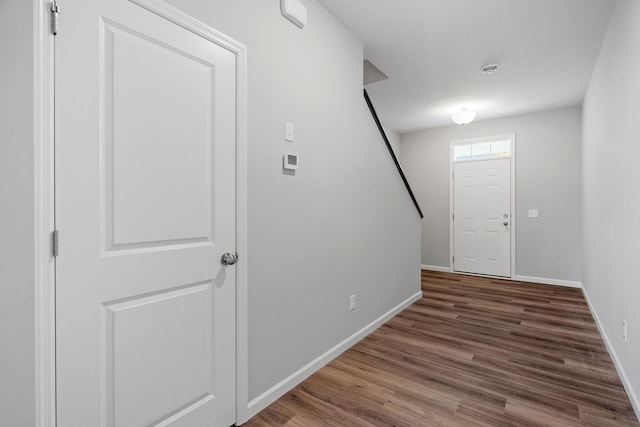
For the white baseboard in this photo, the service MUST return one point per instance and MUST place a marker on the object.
(435, 268)
(268, 397)
(546, 281)
(520, 278)
(633, 398)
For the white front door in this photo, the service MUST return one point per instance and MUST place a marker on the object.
(145, 132)
(482, 217)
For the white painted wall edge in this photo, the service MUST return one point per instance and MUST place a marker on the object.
(616, 362)
(546, 281)
(436, 268)
(278, 390)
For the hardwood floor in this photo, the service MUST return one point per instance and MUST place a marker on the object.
(472, 351)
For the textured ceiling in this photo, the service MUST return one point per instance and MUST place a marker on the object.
(432, 51)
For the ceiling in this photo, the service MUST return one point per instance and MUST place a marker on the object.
(432, 52)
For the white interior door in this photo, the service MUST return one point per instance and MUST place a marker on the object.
(482, 217)
(145, 207)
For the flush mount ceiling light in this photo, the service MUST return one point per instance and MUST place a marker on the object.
(489, 69)
(463, 117)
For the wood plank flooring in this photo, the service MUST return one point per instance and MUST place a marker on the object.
(473, 351)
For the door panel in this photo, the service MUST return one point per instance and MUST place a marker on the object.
(145, 205)
(482, 198)
(169, 129)
(176, 350)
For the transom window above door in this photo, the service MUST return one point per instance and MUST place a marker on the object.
(482, 150)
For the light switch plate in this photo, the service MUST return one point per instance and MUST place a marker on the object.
(533, 213)
(288, 132)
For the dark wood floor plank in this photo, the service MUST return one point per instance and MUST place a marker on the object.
(474, 351)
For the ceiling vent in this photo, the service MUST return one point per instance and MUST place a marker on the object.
(489, 69)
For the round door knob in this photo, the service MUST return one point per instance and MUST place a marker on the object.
(505, 223)
(229, 259)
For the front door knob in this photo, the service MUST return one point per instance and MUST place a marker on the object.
(229, 259)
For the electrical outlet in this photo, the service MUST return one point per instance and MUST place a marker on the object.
(352, 302)
(624, 330)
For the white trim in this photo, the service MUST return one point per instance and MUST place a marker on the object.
(44, 203)
(436, 268)
(451, 263)
(514, 222)
(275, 392)
(633, 398)
(242, 283)
(517, 277)
(512, 137)
(546, 281)
(44, 264)
(189, 23)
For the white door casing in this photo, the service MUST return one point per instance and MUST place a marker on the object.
(482, 217)
(146, 132)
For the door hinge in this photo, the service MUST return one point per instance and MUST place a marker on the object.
(55, 249)
(453, 217)
(453, 259)
(55, 11)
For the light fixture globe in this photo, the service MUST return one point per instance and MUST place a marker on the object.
(463, 117)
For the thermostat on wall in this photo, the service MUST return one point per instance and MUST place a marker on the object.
(290, 161)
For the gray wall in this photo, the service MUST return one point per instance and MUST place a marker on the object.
(610, 193)
(547, 178)
(314, 238)
(326, 233)
(17, 316)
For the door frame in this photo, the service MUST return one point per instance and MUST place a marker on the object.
(44, 202)
(452, 144)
